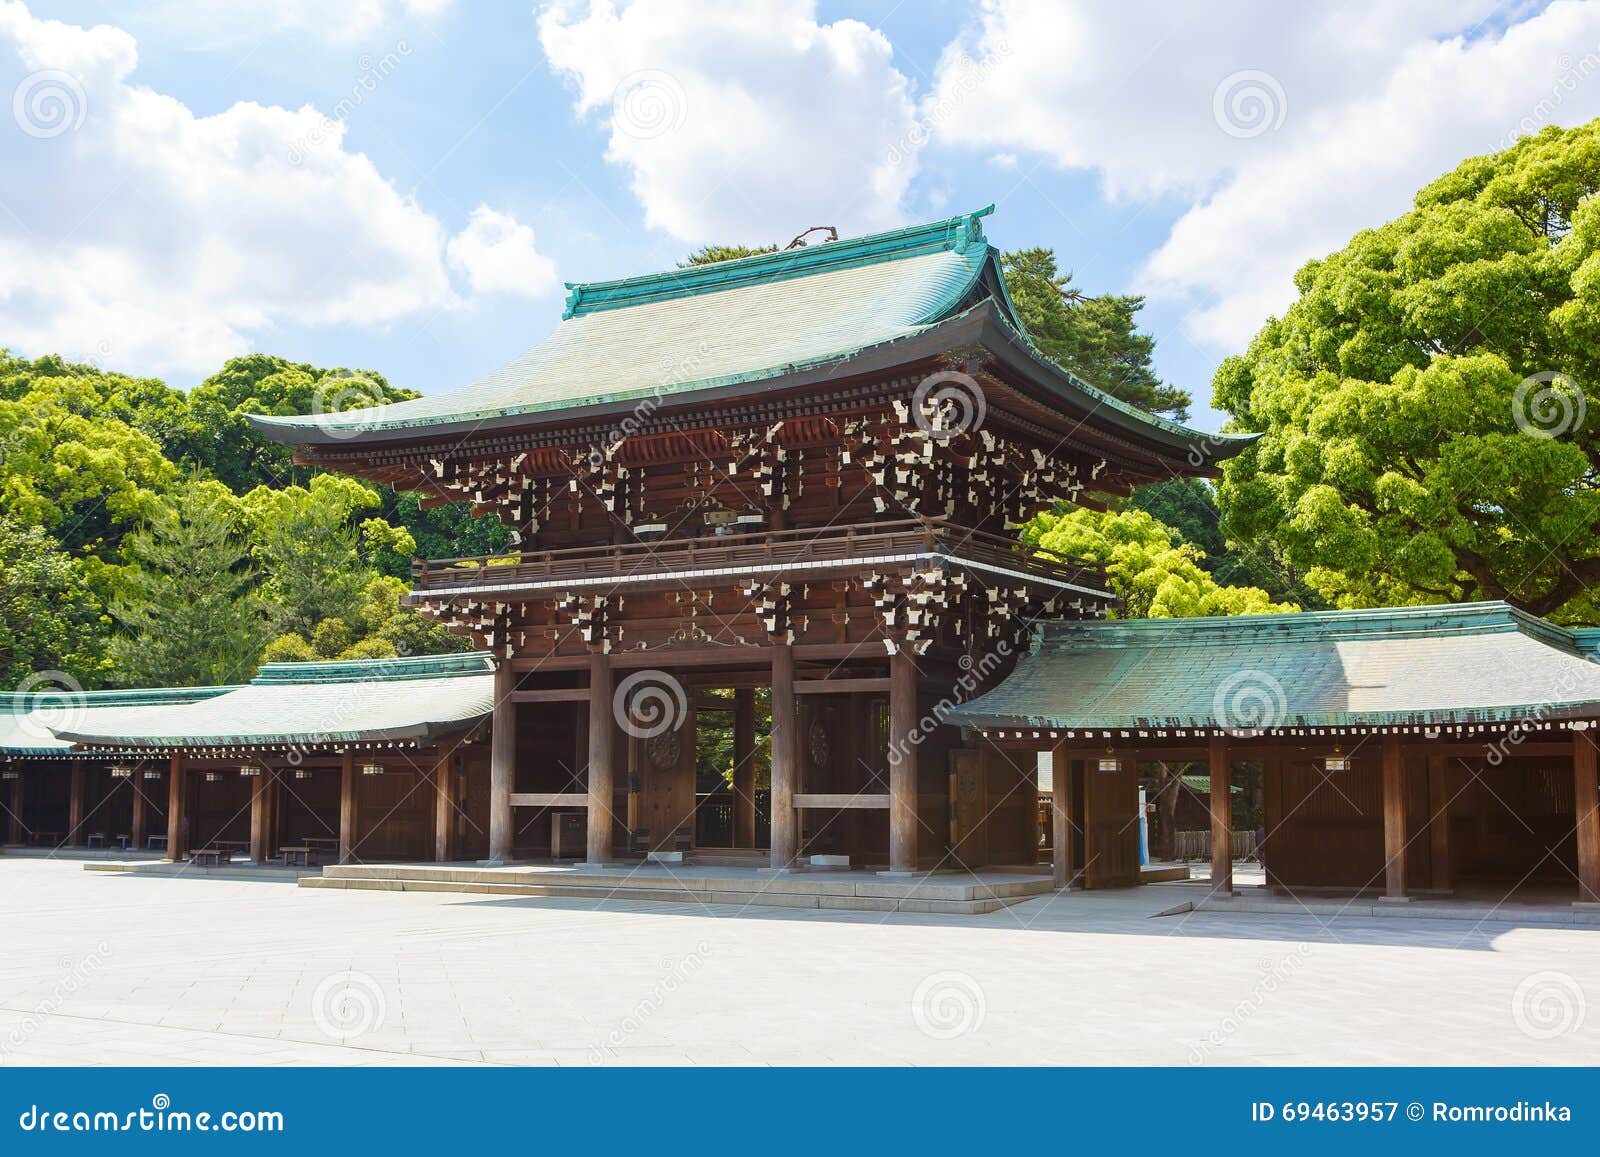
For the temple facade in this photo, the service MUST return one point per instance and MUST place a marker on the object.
(773, 500)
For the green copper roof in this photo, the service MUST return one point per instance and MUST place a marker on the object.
(735, 321)
(291, 704)
(1463, 663)
(757, 319)
(28, 722)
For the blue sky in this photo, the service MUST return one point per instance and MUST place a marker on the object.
(402, 184)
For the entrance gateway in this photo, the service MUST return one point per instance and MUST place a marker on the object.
(797, 476)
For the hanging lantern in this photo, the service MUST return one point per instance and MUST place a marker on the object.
(121, 771)
(8, 775)
(1109, 762)
(152, 773)
(213, 777)
(249, 771)
(372, 769)
(1336, 761)
(302, 773)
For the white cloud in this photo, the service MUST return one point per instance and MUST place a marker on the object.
(496, 254)
(138, 234)
(1129, 89)
(1236, 253)
(1287, 128)
(220, 23)
(739, 121)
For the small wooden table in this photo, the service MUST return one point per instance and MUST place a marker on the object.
(210, 856)
(156, 843)
(297, 856)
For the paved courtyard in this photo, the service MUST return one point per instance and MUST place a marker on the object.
(108, 969)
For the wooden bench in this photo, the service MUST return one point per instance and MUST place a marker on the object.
(210, 856)
(297, 856)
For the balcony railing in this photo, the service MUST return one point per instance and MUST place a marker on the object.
(831, 548)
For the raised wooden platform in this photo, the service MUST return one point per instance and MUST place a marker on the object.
(862, 891)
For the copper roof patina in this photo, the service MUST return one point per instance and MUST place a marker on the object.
(1468, 663)
(306, 704)
(778, 319)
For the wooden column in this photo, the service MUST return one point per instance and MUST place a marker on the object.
(1394, 820)
(785, 758)
(347, 806)
(1061, 815)
(1221, 816)
(502, 764)
(141, 815)
(260, 813)
(14, 820)
(75, 791)
(1586, 809)
(903, 740)
(602, 759)
(176, 796)
(444, 811)
(1439, 823)
(744, 767)
(1271, 808)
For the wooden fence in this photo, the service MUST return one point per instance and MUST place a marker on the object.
(1197, 845)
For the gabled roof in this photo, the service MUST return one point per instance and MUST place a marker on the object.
(1438, 665)
(778, 320)
(27, 719)
(304, 704)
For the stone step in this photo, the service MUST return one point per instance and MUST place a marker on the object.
(796, 891)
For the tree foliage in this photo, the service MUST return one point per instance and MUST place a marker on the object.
(1427, 404)
(50, 619)
(1153, 572)
(1096, 338)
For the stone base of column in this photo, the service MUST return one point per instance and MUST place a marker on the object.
(891, 874)
(491, 863)
(1587, 905)
(1394, 899)
(595, 866)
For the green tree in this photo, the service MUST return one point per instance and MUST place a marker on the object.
(187, 611)
(50, 618)
(1426, 404)
(1154, 574)
(1188, 507)
(1096, 338)
(711, 254)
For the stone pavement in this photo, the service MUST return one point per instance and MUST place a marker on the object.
(108, 969)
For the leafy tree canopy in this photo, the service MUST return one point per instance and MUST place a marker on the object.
(1096, 338)
(1156, 575)
(50, 619)
(1427, 404)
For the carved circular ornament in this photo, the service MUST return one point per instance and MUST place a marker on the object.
(818, 740)
(664, 749)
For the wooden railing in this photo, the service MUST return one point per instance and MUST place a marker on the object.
(763, 550)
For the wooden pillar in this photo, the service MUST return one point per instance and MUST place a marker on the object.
(1586, 809)
(14, 820)
(903, 740)
(347, 806)
(744, 767)
(1271, 808)
(785, 758)
(1221, 817)
(1439, 823)
(444, 810)
(75, 791)
(176, 798)
(602, 759)
(1061, 815)
(260, 813)
(1394, 820)
(141, 815)
(502, 764)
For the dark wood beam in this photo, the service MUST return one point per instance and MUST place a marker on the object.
(1219, 757)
